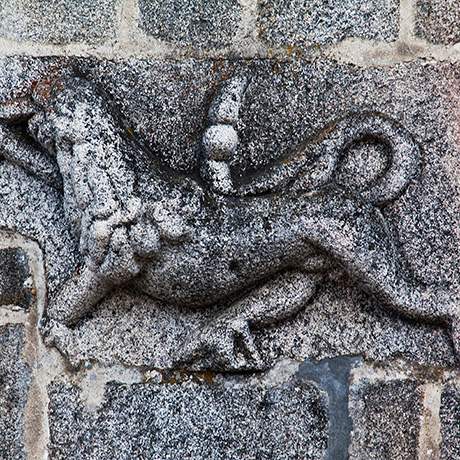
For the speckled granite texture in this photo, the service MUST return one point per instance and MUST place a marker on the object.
(423, 219)
(14, 384)
(229, 229)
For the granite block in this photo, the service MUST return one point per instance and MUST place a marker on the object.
(303, 23)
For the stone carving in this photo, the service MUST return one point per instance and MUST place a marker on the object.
(257, 245)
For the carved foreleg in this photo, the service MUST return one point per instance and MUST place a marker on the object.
(77, 296)
(227, 340)
(115, 257)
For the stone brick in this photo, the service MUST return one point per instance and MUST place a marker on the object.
(450, 423)
(14, 384)
(193, 421)
(286, 103)
(386, 419)
(58, 21)
(165, 103)
(310, 22)
(14, 272)
(202, 23)
(438, 21)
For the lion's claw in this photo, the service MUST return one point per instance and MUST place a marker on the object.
(226, 344)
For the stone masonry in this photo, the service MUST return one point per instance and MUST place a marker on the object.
(344, 377)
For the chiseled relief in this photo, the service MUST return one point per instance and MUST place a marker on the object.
(240, 252)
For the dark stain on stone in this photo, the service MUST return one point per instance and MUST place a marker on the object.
(332, 376)
(14, 271)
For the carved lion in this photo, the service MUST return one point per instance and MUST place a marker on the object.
(258, 245)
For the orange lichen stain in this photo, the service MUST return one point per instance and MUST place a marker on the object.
(43, 89)
(290, 50)
(218, 66)
(206, 376)
(181, 376)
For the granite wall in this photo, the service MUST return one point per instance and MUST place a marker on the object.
(344, 378)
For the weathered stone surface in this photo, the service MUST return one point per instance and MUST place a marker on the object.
(38, 209)
(450, 422)
(14, 384)
(58, 22)
(284, 105)
(214, 421)
(438, 21)
(386, 419)
(310, 22)
(14, 278)
(201, 23)
(333, 377)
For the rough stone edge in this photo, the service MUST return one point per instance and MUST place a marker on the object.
(35, 416)
(431, 381)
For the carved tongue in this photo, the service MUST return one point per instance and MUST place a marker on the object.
(20, 152)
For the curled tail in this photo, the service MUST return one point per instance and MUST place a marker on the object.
(304, 169)
(403, 164)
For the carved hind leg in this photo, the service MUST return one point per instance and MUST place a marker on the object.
(227, 341)
(356, 236)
